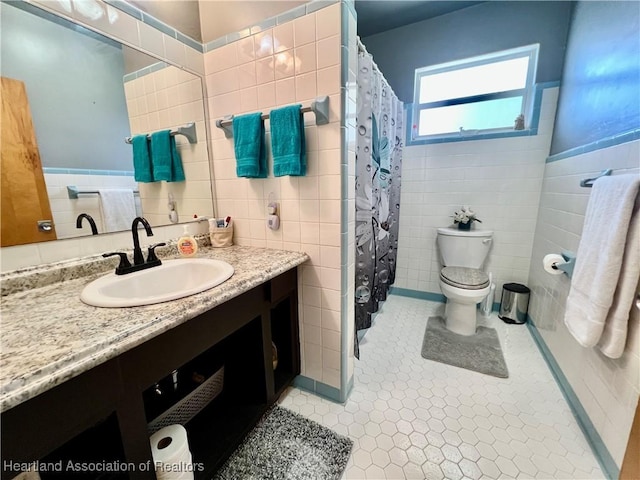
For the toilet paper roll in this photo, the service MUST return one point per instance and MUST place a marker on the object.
(170, 444)
(182, 470)
(29, 475)
(175, 476)
(549, 260)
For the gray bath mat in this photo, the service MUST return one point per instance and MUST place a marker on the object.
(285, 445)
(480, 352)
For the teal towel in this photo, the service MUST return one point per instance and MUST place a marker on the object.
(166, 161)
(287, 141)
(248, 142)
(141, 159)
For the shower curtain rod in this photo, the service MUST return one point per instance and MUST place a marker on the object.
(363, 49)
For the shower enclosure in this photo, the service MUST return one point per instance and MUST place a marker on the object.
(379, 145)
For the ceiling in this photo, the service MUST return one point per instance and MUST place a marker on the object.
(183, 15)
(376, 16)
(206, 20)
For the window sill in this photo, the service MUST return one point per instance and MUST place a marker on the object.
(479, 136)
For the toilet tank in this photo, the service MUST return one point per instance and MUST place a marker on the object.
(460, 248)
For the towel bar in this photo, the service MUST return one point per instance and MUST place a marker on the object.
(320, 106)
(188, 130)
(588, 182)
(73, 192)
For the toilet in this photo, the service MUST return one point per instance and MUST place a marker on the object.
(461, 279)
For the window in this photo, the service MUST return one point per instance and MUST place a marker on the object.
(474, 96)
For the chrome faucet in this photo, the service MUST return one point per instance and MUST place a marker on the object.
(92, 223)
(138, 259)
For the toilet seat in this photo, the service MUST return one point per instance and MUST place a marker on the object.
(465, 278)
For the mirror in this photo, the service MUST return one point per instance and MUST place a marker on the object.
(86, 93)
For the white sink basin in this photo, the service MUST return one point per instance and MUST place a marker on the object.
(169, 281)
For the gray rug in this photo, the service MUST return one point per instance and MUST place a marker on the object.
(285, 445)
(480, 352)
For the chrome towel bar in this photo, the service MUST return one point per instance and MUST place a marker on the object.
(320, 106)
(73, 192)
(188, 130)
(588, 182)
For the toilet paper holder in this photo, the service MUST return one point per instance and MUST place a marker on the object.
(568, 265)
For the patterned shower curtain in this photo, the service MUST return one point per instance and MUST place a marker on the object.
(378, 174)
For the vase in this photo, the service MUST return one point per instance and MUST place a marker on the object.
(464, 226)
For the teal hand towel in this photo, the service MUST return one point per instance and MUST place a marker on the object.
(248, 142)
(141, 160)
(166, 161)
(287, 141)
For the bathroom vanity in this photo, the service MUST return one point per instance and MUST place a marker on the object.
(85, 384)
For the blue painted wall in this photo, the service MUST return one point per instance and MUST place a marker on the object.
(484, 28)
(600, 90)
(75, 89)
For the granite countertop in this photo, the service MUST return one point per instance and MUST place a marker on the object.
(50, 336)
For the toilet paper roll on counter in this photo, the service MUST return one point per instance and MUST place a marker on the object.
(171, 455)
(29, 475)
(551, 259)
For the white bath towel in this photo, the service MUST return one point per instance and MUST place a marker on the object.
(118, 208)
(614, 336)
(601, 290)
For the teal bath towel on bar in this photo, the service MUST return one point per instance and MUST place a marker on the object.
(248, 142)
(141, 160)
(166, 161)
(287, 141)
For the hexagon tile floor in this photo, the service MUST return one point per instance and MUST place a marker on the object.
(414, 418)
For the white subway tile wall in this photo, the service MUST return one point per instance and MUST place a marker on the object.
(168, 99)
(66, 210)
(499, 179)
(607, 389)
(271, 69)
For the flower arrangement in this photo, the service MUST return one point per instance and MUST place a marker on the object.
(465, 216)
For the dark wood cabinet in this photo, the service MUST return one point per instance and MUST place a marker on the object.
(104, 414)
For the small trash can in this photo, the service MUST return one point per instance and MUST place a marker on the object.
(514, 303)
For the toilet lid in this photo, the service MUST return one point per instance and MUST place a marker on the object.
(467, 278)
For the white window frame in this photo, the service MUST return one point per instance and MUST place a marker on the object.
(528, 93)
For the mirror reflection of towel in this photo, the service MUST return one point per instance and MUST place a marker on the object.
(165, 159)
(141, 159)
(118, 208)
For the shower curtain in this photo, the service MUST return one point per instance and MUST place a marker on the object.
(378, 174)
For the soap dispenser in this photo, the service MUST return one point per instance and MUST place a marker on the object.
(187, 245)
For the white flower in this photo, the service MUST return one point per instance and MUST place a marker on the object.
(464, 215)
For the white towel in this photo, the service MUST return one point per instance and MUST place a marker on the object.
(602, 290)
(614, 336)
(118, 208)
